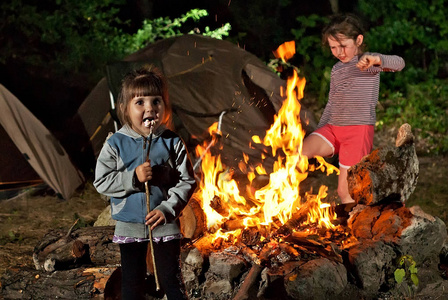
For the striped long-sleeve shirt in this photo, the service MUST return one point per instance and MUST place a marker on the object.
(354, 93)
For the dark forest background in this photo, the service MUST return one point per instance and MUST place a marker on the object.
(53, 52)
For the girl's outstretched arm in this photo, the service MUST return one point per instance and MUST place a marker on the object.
(381, 62)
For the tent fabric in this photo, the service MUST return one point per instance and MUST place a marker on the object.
(206, 76)
(19, 173)
(37, 145)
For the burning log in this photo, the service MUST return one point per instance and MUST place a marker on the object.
(234, 224)
(257, 261)
(220, 206)
(250, 255)
(290, 250)
(297, 218)
(192, 220)
(315, 244)
(239, 223)
(253, 236)
(386, 173)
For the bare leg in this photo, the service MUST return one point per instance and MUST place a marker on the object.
(343, 187)
(315, 145)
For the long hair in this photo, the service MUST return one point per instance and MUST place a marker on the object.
(348, 25)
(146, 81)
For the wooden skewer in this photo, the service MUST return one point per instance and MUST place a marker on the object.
(148, 208)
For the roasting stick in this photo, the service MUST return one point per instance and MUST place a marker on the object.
(150, 124)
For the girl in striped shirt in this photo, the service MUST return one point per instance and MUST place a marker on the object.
(347, 124)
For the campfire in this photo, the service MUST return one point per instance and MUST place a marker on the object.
(269, 218)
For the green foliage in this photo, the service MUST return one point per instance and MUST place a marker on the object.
(406, 272)
(162, 28)
(81, 36)
(68, 35)
(424, 107)
(415, 29)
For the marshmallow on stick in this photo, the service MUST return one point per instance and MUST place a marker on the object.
(149, 124)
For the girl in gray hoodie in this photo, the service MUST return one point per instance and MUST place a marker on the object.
(122, 170)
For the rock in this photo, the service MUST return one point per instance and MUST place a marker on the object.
(317, 279)
(226, 266)
(424, 238)
(192, 265)
(436, 290)
(193, 258)
(105, 219)
(369, 262)
(217, 290)
(386, 232)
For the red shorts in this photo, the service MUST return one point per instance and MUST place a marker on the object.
(351, 142)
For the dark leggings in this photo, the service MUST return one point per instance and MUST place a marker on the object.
(133, 265)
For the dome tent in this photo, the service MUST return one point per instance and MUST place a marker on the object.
(206, 77)
(30, 154)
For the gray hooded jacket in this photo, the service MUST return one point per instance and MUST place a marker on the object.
(172, 185)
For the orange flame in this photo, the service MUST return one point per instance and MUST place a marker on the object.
(279, 199)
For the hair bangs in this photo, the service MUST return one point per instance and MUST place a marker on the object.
(144, 86)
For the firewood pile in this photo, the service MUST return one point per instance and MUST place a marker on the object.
(356, 258)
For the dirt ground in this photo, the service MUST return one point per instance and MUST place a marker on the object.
(25, 219)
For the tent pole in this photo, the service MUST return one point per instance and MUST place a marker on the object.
(112, 105)
(218, 134)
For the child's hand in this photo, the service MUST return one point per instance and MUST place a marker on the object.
(155, 217)
(144, 172)
(366, 61)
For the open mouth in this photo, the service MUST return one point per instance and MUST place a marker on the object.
(148, 119)
(148, 122)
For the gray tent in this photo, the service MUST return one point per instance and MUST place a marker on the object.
(206, 77)
(30, 153)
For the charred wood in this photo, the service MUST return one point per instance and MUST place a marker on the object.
(250, 255)
(249, 281)
(220, 206)
(84, 246)
(297, 218)
(68, 284)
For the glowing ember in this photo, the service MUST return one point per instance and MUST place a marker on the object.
(276, 202)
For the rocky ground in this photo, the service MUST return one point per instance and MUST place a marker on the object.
(25, 219)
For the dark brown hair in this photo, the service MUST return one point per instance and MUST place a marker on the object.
(146, 81)
(348, 25)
